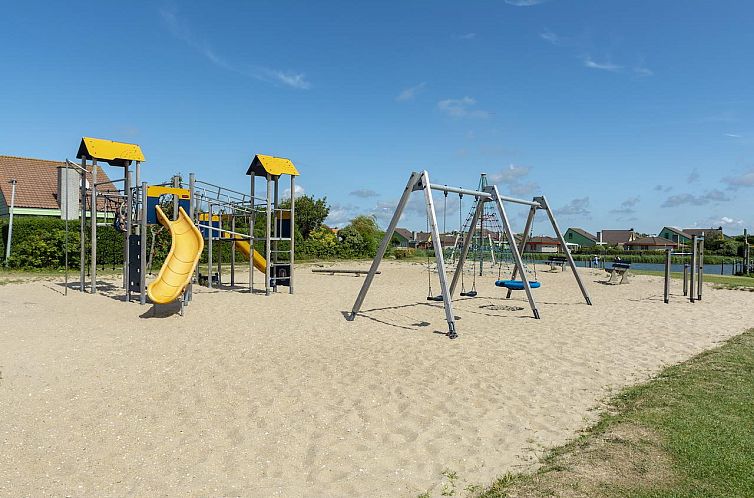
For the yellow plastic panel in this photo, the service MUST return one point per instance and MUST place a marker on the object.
(261, 165)
(113, 153)
(158, 190)
(178, 268)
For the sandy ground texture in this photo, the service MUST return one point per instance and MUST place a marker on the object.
(281, 396)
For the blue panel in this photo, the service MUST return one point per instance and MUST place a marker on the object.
(516, 284)
(151, 210)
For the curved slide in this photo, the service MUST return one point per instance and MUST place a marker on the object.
(243, 245)
(178, 268)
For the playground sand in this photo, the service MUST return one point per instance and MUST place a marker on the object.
(281, 396)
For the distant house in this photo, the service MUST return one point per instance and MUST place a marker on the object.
(403, 237)
(707, 233)
(616, 237)
(650, 244)
(42, 184)
(580, 237)
(424, 240)
(542, 244)
(676, 235)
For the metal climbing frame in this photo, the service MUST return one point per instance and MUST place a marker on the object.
(420, 181)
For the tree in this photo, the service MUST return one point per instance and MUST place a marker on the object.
(310, 213)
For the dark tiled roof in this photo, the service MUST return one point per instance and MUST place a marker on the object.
(37, 179)
(614, 237)
(584, 233)
(405, 233)
(544, 240)
(699, 232)
(678, 231)
(651, 241)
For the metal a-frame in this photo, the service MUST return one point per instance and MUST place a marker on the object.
(420, 181)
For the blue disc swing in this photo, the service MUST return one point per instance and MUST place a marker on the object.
(511, 284)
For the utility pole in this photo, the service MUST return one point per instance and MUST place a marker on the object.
(10, 219)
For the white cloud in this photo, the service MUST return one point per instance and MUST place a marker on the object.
(576, 207)
(411, 92)
(181, 30)
(626, 207)
(461, 108)
(287, 192)
(340, 215)
(733, 135)
(525, 3)
(706, 198)
(643, 71)
(727, 222)
(511, 174)
(693, 176)
(364, 193)
(745, 179)
(551, 37)
(604, 66)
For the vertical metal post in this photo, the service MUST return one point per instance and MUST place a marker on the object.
(437, 245)
(293, 233)
(127, 187)
(10, 219)
(93, 209)
(543, 201)
(276, 216)
(211, 232)
(82, 227)
(192, 215)
(514, 249)
(685, 279)
(694, 263)
(668, 259)
(412, 181)
(466, 246)
(524, 240)
(67, 213)
(233, 248)
(267, 236)
(252, 219)
(176, 184)
(143, 246)
(700, 273)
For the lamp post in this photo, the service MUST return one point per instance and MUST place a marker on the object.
(10, 219)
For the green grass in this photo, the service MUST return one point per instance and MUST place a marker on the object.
(724, 281)
(687, 433)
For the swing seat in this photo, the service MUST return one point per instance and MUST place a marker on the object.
(516, 284)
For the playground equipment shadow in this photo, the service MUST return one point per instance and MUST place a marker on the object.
(282, 396)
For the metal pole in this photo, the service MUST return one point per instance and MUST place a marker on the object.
(211, 233)
(465, 249)
(10, 219)
(293, 233)
(192, 215)
(82, 227)
(524, 240)
(67, 210)
(276, 229)
(668, 258)
(129, 211)
(176, 184)
(143, 246)
(685, 279)
(514, 249)
(412, 181)
(252, 219)
(267, 236)
(692, 286)
(543, 201)
(700, 274)
(437, 244)
(233, 249)
(93, 209)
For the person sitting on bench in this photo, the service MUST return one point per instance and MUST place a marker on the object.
(554, 261)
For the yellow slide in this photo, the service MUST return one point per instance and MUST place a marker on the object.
(185, 250)
(243, 245)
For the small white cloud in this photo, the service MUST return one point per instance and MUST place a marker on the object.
(525, 3)
(745, 179)
(411, 92)
(643, 71)
(364, 193)
(511, 174)
(550, 37)
(293, 80)
(299, 191)
(604, 66)
(693, 176)
(576, 207)
(461, 108)
(733, 135)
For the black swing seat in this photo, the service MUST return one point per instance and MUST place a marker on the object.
(435, 298)
(471, 293)
(516, 284)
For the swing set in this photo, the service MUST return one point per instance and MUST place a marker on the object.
(518, 280)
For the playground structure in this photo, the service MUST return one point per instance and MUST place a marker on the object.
(420, 181)
(202, 214)
(693, 271)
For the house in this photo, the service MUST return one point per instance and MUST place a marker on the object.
(707, 233)
(580, 237)
(542, 244)
(676, 235)
(650, 244)
(42, 184)
(403, 237)
(423, 240)
(615, 237)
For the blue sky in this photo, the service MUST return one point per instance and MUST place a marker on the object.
(623, 113)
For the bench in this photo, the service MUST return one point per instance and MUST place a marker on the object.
(618, 269)
(557, 261)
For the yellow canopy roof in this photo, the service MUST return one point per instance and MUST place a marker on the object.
(113, 153)
(261, 165)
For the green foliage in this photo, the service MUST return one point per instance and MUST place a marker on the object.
(310, 213)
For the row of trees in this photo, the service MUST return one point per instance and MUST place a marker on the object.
(40, 242)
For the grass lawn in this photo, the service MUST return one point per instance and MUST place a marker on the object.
(687, 433)
(722, 281)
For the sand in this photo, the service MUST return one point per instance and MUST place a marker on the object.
(281, 396)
